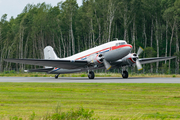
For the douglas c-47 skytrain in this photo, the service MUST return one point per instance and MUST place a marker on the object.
(114, 54)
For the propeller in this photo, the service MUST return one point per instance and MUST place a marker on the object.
(95, 59)
(140, 50)
(138, 64)
(106, 64)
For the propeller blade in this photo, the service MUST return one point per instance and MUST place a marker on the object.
(140, 50)
(106, 64)
(138, 64)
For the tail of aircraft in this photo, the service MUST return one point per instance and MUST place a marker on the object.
(49, 53)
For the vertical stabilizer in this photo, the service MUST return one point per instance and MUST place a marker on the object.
(49, 53)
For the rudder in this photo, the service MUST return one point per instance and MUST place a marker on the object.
(49, 53)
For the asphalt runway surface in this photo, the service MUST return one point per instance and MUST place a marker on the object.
(86, 80)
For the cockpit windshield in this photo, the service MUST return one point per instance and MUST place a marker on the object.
(120, 43)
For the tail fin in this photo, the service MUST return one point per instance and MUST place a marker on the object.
(49, 53)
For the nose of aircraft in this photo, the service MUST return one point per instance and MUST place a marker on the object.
(129, 48)
(118, 53)
(125, 50)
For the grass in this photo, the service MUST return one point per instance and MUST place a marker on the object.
(78, 114)
(107, 101)
(17, 74)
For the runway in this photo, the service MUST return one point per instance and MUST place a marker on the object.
(86, 80)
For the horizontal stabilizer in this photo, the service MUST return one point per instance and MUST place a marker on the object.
(41, 70)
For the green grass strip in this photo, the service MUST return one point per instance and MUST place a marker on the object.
(107, 101)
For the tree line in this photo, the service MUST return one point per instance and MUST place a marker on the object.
(69, 29)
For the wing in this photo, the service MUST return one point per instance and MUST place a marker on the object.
(151, 60)
(123, 62)
(66, 64)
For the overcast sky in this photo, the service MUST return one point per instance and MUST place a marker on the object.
(15, 7)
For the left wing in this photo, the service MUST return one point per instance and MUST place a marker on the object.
(151, 60)
(66, 64)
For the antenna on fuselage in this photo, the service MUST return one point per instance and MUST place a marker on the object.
(115, 38)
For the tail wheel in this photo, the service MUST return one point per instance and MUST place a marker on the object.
(125, 74)
(91, 75)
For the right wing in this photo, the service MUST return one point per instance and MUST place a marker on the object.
(66, 64)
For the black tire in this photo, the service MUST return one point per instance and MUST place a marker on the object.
(91, 75)
(125, 74)
(56, 76)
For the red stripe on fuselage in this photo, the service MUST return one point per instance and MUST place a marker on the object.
(120, 46)
(131, 60)
(110, 48)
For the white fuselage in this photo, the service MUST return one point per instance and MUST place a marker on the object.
(112, 51)
(101, 49)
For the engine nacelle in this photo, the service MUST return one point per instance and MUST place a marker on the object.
(95, 59)
(130, 58)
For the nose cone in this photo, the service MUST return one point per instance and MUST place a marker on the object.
(129, 48)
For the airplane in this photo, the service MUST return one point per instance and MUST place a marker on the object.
(110, 55)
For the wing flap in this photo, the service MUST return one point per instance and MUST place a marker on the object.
(66, 64)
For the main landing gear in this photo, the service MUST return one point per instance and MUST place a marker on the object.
(91, 75)
(56, 76)
(125, 74)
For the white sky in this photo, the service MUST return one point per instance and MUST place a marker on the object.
(15, 7)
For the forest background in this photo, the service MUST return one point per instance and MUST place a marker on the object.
(69, 29)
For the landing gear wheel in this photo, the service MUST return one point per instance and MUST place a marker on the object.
(125, 74)
(91, 75)
(56, 76)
